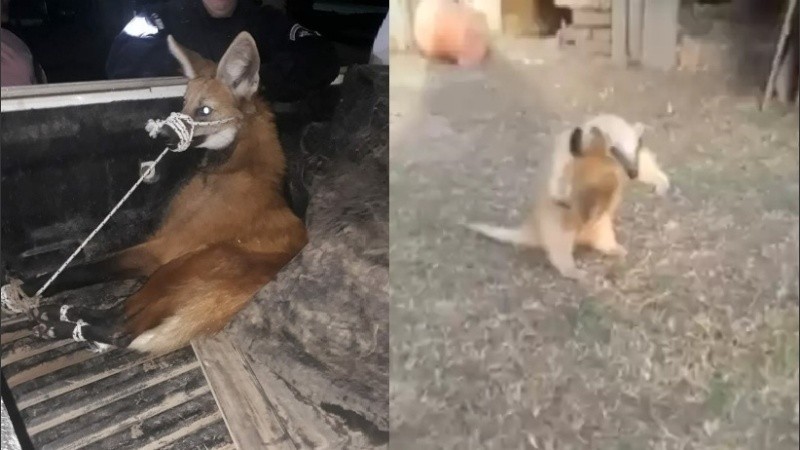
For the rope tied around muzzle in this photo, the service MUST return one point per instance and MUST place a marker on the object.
(12, 297)
(183, 126)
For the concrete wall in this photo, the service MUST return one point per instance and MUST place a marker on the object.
(590, 30)
(631, 31)
(400, 26)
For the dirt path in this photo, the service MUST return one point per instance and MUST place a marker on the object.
(689, 343)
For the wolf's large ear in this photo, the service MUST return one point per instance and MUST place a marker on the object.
(192, 64)
(239, 66)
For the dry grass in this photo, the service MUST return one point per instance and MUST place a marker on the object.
(691, 342)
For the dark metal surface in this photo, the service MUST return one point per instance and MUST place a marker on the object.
(70, 398)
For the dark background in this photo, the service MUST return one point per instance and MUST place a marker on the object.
(70, 39)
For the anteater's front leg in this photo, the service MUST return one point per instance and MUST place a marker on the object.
(601, 236)
(650, 172)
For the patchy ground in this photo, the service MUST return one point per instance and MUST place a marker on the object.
(691, 342)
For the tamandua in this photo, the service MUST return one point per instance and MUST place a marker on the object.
(624, 143)
(594, 177)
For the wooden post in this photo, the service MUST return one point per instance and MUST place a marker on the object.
(635, 18)
(776, 59)
(619, 31)
(660, 34)
(400, 25)
(518, 16)
(797, 97)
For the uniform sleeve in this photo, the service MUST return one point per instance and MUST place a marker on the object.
(380, 46)
(141, 51)
(295, 59)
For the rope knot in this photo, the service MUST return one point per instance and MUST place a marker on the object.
(14, 300)
(182, 124)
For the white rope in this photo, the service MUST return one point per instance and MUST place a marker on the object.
(12, 296)
(15, 301)
(77, 332)
(62, 316)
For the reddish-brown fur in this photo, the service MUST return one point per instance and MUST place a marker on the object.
(596, 188)
(225, 234)
(596, 179)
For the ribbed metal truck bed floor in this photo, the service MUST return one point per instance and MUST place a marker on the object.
(71, 398)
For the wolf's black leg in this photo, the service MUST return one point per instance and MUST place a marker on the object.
(78, 276)
(72, 314)
(100, 338)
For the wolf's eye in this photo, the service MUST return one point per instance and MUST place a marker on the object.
(203, 111)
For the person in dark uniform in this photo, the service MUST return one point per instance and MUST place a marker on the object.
(295, 60)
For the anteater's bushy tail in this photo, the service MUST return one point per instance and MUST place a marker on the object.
(516, 236)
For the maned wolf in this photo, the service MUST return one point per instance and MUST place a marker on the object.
(226, 233)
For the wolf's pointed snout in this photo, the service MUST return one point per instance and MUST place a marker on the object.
(169, 135)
